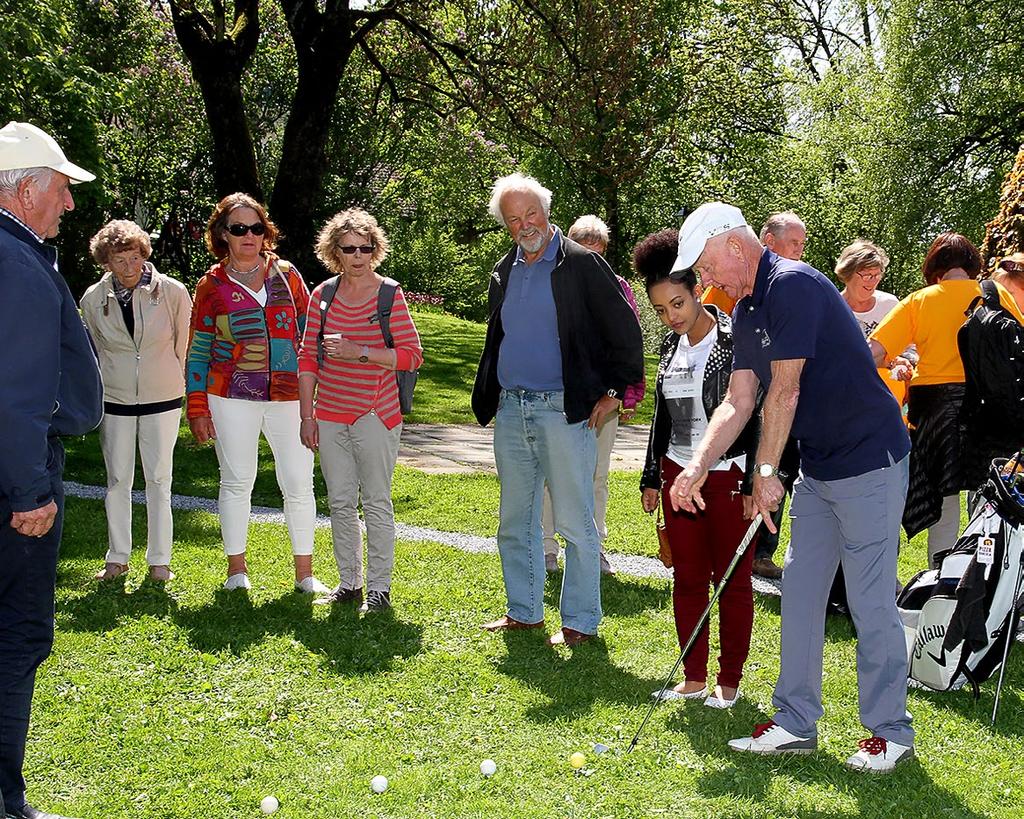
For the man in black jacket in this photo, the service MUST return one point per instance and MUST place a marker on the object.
(51, 388)
(562, 344)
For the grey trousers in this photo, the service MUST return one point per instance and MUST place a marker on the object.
(854, 521)
(358, 462)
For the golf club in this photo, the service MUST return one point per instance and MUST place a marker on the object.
(737, 556)
(1011, 625)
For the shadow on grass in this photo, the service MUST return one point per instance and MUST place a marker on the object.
(574, 680)
(619, 596)
(908, 791)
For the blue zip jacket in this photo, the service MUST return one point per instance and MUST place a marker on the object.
(49, 377)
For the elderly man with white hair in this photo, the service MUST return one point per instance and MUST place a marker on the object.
(794, 334)
(562, 345)
(51, 388)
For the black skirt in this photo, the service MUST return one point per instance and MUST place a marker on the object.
(936, 463)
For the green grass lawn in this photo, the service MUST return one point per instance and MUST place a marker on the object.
(192, 702)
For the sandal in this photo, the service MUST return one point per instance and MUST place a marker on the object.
(110, 571)
(160, 574)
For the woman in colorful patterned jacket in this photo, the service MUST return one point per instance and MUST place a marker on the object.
(356, 420)
(242, 379)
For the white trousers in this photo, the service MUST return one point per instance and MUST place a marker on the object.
(238, 424)
(155, 436)
(358, 460)
(605, 443)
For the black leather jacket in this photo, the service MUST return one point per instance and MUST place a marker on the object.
(599, 336)
(715, 385)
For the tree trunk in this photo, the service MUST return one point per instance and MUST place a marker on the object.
(304, 164)
(218, 56)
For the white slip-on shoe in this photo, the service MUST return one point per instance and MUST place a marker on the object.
(670, 694)
(769, 738)
(237, 581)
(715, 701)
(310, 585)
(879, 755)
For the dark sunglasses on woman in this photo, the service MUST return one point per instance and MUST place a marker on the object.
(348, 250)
(239, 229)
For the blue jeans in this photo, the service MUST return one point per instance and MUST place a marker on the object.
(534, 443)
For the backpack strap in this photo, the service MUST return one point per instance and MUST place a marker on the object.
(385, 302)
(990, 294)
(327, 294)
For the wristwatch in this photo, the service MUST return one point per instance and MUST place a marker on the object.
(365, 356)
(767, 470)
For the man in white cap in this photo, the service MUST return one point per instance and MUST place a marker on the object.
(794, 334)
(51, 388)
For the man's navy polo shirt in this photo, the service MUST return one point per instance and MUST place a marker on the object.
(530, 355)
(847, 422)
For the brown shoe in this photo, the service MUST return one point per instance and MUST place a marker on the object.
(506, 623)
(764, 567)
(110, 571)
(160, 574)
(569, 637)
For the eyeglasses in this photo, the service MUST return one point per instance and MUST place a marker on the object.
(1011, 266)
(239, 229)
(348, 250)
(870, 277)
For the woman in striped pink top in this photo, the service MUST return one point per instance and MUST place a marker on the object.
(348, 401)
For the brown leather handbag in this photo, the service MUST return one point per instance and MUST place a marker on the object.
(664, 549)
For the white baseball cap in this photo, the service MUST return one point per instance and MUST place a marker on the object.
(710, 219)
(24, 146)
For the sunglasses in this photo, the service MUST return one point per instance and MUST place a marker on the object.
(348, 250)
(238, 229)
(1011, 266)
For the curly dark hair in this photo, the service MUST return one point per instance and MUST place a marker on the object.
(218, 224)
(654, 256)
(950, 250)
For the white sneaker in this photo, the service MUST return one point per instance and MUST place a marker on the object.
(310, 585)
(878, 755)
(237, 581)
(720, 702)
(769, 738)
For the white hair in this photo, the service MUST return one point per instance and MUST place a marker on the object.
(778, 223)
(589, 229)
(9, 180)
(517, 183)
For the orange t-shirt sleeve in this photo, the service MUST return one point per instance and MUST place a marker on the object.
(896, 331)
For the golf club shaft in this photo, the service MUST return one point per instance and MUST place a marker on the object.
(737, 556)
(1011, 628)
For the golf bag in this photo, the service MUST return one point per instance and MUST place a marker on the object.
(961, 618)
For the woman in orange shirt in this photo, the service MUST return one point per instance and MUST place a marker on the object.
(930, 318)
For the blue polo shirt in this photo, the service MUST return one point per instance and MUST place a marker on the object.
(847, 422)
(530, 356)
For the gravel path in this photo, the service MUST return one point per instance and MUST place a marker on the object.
(634, 565)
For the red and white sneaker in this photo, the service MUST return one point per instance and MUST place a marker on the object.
(769, 738)
(878, 755)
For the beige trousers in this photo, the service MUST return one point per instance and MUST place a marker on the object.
(155, 436)
(358, 461)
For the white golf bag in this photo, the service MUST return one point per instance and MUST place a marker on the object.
(961, 618)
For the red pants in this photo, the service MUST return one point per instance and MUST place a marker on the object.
(702, 547)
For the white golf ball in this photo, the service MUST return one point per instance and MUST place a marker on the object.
(379, 784)
(487, 767)
(269, 804)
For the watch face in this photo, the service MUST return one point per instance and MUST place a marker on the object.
(765, 470)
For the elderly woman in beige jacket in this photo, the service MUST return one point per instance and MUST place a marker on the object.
(139, 320)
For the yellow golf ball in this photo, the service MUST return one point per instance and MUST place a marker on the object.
(577, 760)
